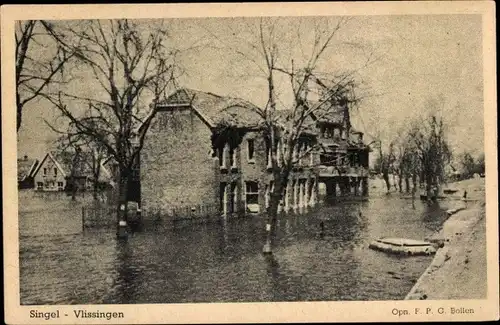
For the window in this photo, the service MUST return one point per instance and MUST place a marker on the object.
(251, 150)
(220, 155)
(39, 186)
(278, 154)
(252, 196)
(234, 198)
(322, 132)
(232, 158)
(45, 171)
(268, 196)
(60, 186)
(223, 198)
(55, 171)
(299, 154)
(269, 163)
(223, 157)
(295, 154)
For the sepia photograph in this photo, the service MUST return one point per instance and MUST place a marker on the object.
(188, 158)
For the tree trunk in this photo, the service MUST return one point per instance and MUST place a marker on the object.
(122, 194)
(272, 215)
(73, 188)
(407, 184)
(400, 182)
(97, 175)
(95, 190)
(428, 187)
(19, 112)
(386, 179)
(122, 200)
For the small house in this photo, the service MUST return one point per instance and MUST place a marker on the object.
(49, 175)
(25, 172)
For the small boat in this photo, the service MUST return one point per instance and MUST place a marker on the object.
(450, 191)
(403, 246)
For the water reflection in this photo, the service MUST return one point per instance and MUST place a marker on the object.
(223, 261)
(125, 283)
(273, 273)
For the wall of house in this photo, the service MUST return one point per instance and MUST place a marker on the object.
(257, 170)
(47, 175)
(177, 167)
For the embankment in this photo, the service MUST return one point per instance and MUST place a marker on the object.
(458, 271)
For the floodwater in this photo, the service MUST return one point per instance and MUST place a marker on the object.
(222, 262)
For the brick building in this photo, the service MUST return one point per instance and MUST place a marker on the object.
(190, 158)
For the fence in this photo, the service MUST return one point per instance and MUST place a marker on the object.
(105, 216)
(98, 216)
(183, 215)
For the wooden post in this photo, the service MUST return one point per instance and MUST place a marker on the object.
(83, 218)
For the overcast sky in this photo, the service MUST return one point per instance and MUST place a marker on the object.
(416, 64)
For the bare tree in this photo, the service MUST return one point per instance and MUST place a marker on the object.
(315, 94)
(69, 153)
(406, 164)
(39, 62)
(385, 162)
(468, 164)
(429, 138)
(130, 67)
(73, 147)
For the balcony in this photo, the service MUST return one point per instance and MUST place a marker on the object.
(349, 171)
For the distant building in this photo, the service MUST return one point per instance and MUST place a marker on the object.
(189, 158)
(84, 176)
(25, 172)
(53, 175)
(110, 174)
(49, 175)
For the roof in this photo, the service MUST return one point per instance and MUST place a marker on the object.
(213, 108)
(328, 112)
(58, 165)
(104, 174)
(26, 168)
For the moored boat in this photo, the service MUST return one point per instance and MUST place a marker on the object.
(403, 246)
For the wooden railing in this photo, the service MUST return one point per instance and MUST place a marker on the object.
(331, 171)
(98, 216)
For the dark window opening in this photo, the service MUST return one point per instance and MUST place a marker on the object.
(251, 149)
(252, 193)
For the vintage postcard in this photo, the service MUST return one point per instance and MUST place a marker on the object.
(235, 163)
